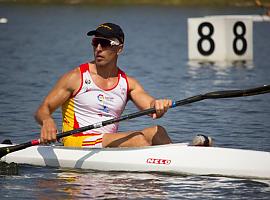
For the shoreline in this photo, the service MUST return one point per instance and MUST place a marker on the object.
(237, 3)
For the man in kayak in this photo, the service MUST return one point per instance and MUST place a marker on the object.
(98, 91)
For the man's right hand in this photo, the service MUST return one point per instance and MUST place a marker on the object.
(48, 131)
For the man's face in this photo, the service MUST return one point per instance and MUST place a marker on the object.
(106, 50)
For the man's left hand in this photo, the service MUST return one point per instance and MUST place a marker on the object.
(161, 106)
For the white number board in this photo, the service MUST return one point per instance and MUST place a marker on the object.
(220, 38)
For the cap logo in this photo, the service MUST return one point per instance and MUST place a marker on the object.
(105, 26)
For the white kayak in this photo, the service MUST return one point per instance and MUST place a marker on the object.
(173, 158)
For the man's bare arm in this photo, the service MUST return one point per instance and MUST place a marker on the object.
(64, 88)
(144, 101)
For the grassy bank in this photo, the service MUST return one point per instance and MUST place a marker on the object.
(143, 2)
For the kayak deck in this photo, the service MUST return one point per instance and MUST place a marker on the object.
(172, 158)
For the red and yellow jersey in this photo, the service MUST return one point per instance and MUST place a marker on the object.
(92, 104)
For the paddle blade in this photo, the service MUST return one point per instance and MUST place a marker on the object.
(9, 168)
(4, 151)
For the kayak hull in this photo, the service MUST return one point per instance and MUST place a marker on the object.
(172, 158)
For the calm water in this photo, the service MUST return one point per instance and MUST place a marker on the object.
(39, 43)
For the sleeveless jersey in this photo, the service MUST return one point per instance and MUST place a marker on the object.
(92, 104)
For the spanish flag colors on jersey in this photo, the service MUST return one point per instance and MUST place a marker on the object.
(92, 104)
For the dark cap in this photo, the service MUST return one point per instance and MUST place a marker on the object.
(108, 30)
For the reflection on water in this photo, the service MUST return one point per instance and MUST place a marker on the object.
(111, 185)
(222, 68)
(222, 75)
(117, 185)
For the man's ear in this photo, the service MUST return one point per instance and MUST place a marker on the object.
(120, 49)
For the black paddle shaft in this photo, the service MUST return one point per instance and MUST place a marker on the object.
(211, 95)
(224, 94)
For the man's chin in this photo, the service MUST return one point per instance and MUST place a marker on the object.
(100, 62)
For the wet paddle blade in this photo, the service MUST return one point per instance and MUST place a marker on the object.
(8, 168)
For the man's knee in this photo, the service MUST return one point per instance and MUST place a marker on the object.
(158, 129)
(159, 135)
(140, 139)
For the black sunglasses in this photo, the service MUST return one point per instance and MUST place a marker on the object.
(104, 42)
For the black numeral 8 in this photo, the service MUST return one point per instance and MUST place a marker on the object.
(239, 37)
(206, 37)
